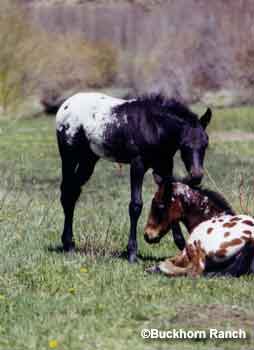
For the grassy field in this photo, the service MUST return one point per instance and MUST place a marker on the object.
(93, 299)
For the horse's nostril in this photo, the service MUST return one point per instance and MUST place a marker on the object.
(197, 173)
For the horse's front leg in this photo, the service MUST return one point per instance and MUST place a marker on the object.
(137, 172)
(178, 236)
(190, 262)
(176, 266)
(165, 169)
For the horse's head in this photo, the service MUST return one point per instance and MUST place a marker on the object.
(193, 145)
(166, 209)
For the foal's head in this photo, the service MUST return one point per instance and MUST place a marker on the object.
(193, 144)
(166, 209)
(176, 201)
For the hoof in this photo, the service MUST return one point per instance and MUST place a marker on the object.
(132, 259)
(153, 269)
(70, 247)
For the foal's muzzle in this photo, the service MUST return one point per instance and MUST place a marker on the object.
(150, 239)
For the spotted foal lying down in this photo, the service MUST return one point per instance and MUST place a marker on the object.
(218, 236)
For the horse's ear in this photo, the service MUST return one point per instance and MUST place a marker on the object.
(206, 118)
(157, 178)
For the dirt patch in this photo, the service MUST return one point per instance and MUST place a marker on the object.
(214, 315)
(208, 316)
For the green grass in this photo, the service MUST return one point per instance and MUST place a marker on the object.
(93, 299)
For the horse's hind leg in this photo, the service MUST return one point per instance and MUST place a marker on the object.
(242, 264)
(75, 173)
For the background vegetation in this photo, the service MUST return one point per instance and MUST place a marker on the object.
(202, 52)
(36, 63)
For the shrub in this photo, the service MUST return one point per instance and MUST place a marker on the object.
(71, 62)
(32, 60)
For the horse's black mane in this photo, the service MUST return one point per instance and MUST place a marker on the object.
(216, 197)
(158, 105)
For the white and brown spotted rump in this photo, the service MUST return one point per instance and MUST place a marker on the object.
(223, 236)
(218, 239)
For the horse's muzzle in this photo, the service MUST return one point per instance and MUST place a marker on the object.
(196, 180)
(196, 176)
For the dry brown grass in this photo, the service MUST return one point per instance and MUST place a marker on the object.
(33, 60)
(16, 54)
(70, 62)
(154, 46)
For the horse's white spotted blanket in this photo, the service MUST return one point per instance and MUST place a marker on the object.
(223, 236)
(93, 112)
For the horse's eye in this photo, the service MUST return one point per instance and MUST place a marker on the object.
(159, 206)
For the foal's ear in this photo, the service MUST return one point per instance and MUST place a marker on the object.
(206, 118)
(157, 178)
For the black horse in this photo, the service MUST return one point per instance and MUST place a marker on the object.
(144, 132)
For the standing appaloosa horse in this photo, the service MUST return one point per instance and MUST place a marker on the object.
(144, 132)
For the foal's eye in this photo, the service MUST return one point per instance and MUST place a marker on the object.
(159, 206)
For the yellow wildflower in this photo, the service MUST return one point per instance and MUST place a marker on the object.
(53, 344)
(83, 270)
